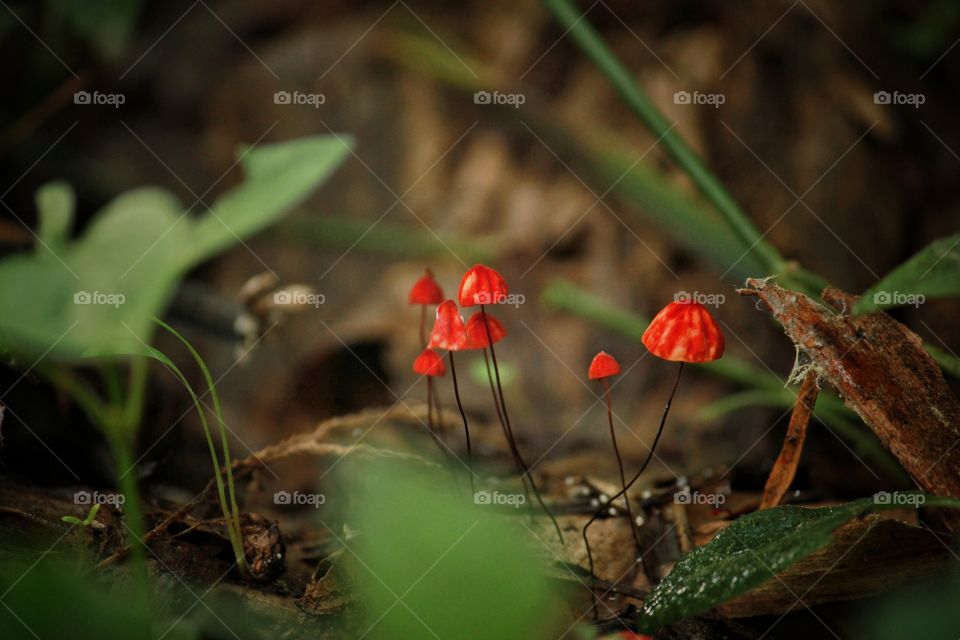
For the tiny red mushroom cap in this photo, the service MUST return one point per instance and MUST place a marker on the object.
(449, 331)
(429, 363)
(603, 366)
(481, 285)
(425, 290)
(477, 333)
(684, 332)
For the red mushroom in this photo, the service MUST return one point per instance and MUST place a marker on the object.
(478, 337)
(481, 286)
(449, 333)
(428, 363)
(683, 331)
(602, 367)
(425, 291)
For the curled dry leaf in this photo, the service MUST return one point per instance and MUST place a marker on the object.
(882, 372)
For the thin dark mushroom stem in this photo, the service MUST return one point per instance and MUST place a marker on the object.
(503, 425)
(616, 451)
(423, 326)
(525, 470)
(604, 507)
(463, 416)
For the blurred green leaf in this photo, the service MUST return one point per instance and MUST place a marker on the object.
(279, 176)
(98, 295)
(753, 549)
(55, 601)
(934, 272)
(434, 564)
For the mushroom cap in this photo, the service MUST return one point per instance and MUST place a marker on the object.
(477, 333)
(429, 363)
(603, 366)
(684, 331)
(448, 331)
(482, 285)
(425, 290)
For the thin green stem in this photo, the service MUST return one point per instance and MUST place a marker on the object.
(231, 511)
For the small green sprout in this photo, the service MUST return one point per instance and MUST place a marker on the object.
(86, 522)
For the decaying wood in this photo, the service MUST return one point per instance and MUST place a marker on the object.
(882, 372)
(785, 468)
(866, 557)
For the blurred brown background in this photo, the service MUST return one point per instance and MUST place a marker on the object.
(844, 185)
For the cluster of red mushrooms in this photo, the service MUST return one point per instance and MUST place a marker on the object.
(683, 331)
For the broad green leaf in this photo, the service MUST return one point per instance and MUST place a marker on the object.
(97, 296)
(753, 549)
(431, 563)
(279, 177)
(934, 272)
(55, 206)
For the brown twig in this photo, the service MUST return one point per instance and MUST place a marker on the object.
(785, 468)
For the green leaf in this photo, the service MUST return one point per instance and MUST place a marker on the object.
(431, 563)
(753, 549)
(934, 272)
(279, 177)
(98, 295)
